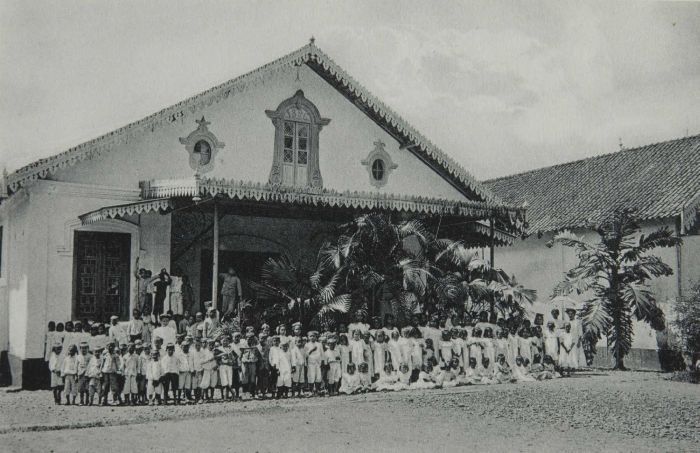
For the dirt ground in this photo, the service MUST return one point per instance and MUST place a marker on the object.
(594, 411)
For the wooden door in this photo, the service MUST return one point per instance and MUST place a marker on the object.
(101, 275)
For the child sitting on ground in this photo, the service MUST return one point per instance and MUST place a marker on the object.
(548, 369)
(365, 378)
(387, 378)
(470, 375)
(448, 376)
(483, 371)
(520, 371)
(501, 371)
(351, 381)
(425, 381)
(404, 378)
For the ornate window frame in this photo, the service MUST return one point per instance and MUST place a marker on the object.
(295, 109)
(379, 153)
(202, 133)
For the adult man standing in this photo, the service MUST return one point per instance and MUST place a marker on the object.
(231, 292)
(160, 283)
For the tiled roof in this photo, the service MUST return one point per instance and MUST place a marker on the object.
(661, 180)
(322, 64)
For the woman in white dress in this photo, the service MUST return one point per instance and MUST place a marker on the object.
(551, 342)
(568, 355)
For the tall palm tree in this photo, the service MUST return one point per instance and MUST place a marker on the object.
(615, 272)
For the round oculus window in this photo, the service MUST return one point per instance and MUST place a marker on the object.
(378, 170)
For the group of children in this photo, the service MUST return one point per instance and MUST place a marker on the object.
(187, 362)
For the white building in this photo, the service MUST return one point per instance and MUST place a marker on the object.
(281, 154)
(660, 181)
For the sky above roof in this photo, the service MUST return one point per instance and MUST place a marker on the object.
(503, 87)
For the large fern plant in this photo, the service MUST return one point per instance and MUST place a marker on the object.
(614, 273)
(291, 290)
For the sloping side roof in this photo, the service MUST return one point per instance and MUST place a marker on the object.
(660, 180)
(318, 61)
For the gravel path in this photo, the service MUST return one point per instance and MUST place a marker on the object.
(610, 412)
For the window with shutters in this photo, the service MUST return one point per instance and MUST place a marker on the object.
(296, 151)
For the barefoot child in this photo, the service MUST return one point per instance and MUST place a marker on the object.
(314, 356)
(84, 358)
(297, 358)
(332, 360)
(130, 364)
(351, 381)
(284, 370)
(69, 372)
(55, 367)
(110, 365)
(94, 374)
(249, 361)
(154, 373)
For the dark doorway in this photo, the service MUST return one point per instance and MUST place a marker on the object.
(101, 275)
(246, 264)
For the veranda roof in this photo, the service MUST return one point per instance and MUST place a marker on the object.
(127, 209)
(165, 195)
(241, 190)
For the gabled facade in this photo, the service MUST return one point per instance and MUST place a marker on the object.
(266, 164)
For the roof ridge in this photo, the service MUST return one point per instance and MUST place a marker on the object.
(162, 111)
(309, 52)
(598, 156)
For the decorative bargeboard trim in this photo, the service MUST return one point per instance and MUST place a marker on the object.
(178, 112)
(139, 207)
(191, 187)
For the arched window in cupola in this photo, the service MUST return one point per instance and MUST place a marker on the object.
(296, 155)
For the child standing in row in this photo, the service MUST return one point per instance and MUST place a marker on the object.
(55, 367)
(69, 372)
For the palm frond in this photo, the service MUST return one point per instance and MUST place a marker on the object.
(595, 316)
(641, 301)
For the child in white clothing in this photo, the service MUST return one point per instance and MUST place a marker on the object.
(284, 370)
(331, 358)
(387, 378)
(55, 367)
(351, 381)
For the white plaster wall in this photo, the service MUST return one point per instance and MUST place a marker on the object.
(541, 268)
(42, 258)
(241, 123)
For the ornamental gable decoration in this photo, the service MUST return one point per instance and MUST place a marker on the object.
(202, 146)
(379, 165)
(295, 161)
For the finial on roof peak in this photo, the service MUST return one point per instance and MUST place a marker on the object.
(312, 40)
(202, 123)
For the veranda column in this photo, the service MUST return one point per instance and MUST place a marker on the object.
(215, 261)
(492, 234)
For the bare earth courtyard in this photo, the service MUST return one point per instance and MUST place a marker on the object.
(597, 411)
